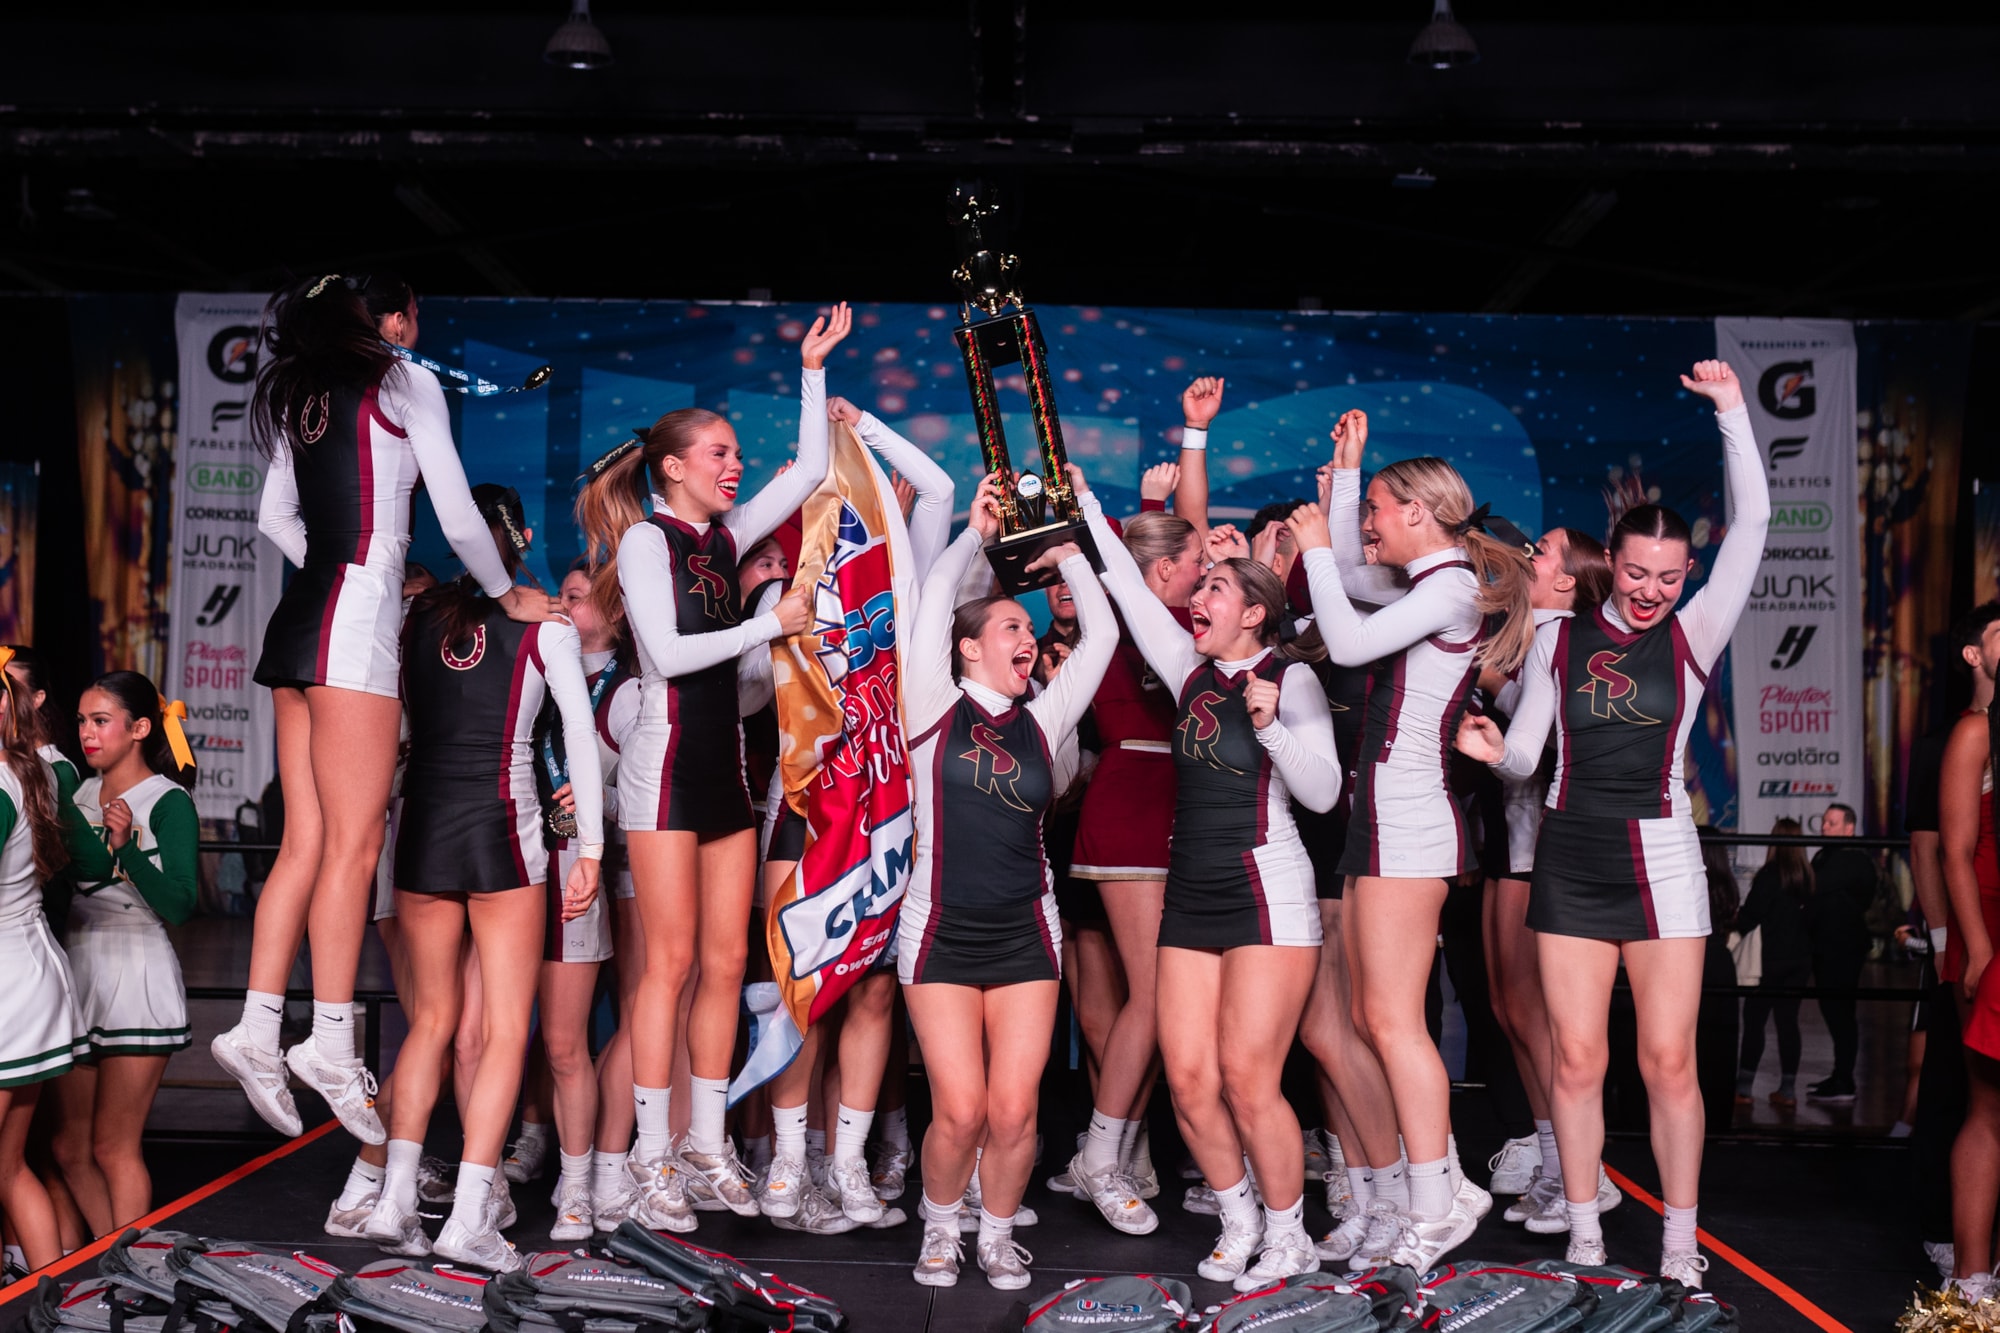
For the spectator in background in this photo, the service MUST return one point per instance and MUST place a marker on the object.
(1715, 1022)
(1777, 903)
(1844, 880)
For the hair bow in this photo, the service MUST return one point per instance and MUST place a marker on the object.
(1475, 519)
(1503, 531)
(7, 680)
(320, 286)
(616, 452)
(507, 505)
(172, 713)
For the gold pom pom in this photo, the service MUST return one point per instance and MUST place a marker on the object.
(1948, 1311)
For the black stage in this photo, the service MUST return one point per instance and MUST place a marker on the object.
(1825, 1232)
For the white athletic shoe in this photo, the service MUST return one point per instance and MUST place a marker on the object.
(938, 1257)
(1535, 1198)
(1336, 1160)
(816, 1215)
(1972, 1290)
(718, 1181)
(485, 1249)
(1514, 1166)
(395, 1231)
(608, 1210)
(854, 1190)
(779, 1193)
(1233, 1248)
(1609, 1196)
(1552, 1217)
(349, 1223)
(1339, 1244)
(525, 1159)
(1005, 1263)
(1281, 1259)
(1116, 1197)
(1383, 1232)
(1316, 1162)
(1585, 1253)
(263, 1076)
(1424, 1243)
(1024, 1216)
(1200, 1199)
(1064, 1184)
(1943, 1255)
(500, 1206)
(660, 1190)
(347, 1086)
(1476, 1201)
(1687, 1267)
(816, 1164)
(437, 1180)
(573, 1218)
(1339, 1195)
(890, 1170)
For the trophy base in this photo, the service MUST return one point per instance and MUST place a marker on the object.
(1011, 555)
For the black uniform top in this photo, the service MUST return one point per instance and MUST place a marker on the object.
(705, 600)
(994, 784)
(1623, 716)
(1222, 770)
(469, 733)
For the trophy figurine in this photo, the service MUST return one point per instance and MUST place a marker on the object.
(1037, 512)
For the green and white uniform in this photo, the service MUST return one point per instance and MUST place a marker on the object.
(128, 978)
(67, 778)
(38, 1013)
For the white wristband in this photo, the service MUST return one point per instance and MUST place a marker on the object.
(590, 851)
(1938, 934)
(1193, 438)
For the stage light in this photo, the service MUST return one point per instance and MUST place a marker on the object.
(578, 43)
(1444, 43)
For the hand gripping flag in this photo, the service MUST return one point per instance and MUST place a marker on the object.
(840, 751)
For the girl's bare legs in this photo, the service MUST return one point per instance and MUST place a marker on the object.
(73, 1144)
(126, 1086)
(22, 1198)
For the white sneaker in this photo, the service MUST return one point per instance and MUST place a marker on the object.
(1024, 1216)
(1339, 1195)
(1005, 1263)
(1315, 1155)
(350, 1223)
(1535, 1198)
(1233, 1248)
(855, 1190)
(608, 1210)
(1474, 1200)
(890, 1170)
(1281, 1259)
(1116, 1197)
(1339, 1244)
(263, 1076)
(1514, 1166)
(485, 1249)
(1379, 1238)
(718, 1181)
(347, 1086)
(1200, 1199)
(525, 1158)
(573, 1216)
(1424, 1243)
(500, 1203)
(661, 1195)
(1972, 1290)
(437, 1180)
(816, 1165)
(1943, 1255)
(816, 1215)
(1688, 1266)
(1585, 1253)
(1141, 1169)
(1609, 1196)
(1064, 1184)
(1552, 1217)
(939, 1257)
(782, 1187)
(396, 1232)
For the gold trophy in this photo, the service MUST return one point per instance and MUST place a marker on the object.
(1036, 512)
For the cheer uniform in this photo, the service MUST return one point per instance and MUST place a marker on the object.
(981, 906)
(1128, 809)
(683, 769)
(614, 710)
(472, 818)
(1618, 857)
(1325, 832)
(38, 1039)
(128, 978)
(1982, 1026)
(337, 503)
(1521, 799)
(1237, 872)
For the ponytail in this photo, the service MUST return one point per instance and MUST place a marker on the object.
(1584, 560)
(38, 789)
(1506, 579)
(319, 334)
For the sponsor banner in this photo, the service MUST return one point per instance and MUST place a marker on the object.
(226, 579)
(1797, 656)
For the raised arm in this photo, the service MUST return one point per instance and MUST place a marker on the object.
(560, 656)
(1061, 706)
(1200, 401)
(1300, 740)
(1168, 647)
(1710, 616)
(929, 692)
(411, 397)
(646, 578)
(930, 521)
(757, 517)
(278, 508)
(1438, 605)
(1374, 584)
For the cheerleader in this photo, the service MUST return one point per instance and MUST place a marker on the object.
(33, 721)
(132, 837)
(470, 853)
(1239, 930)
(1618, 868)
(690, 835)
(1406, 839)
(348, 428)
(38, 1036)
(978, 943)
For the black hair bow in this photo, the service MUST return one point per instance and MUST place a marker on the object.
(610, 457)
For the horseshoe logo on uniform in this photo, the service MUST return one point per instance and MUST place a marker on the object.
(469, 660)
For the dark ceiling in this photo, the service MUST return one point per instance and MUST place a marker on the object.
(1695, 158)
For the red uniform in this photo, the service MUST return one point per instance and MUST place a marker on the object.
(1982, 1028)
(1128, 810)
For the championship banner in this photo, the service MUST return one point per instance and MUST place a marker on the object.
(1797, 656)
(226, 579)
(842, 757)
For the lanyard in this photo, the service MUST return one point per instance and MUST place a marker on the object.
(469, 382)
(555, 760)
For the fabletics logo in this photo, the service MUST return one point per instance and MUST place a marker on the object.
(994, 770)
(1201, 729)
(712, 588)
(1798, 787)
(1786, 390)
(1793, 646)
(469, 660)
(227, 409)
(232, 354)
(220, 479)
(1613, 694)
(220, 602)
(1791, 446)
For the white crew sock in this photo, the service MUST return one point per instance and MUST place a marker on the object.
(1679, 1236)
(1238, 1202)
(1135, 1150)
(1361, 1180)
(993, 1228)
(470, 1198)
(655, 1137)
(1456, 1172)
(943, 1216)
(533, 1133)
(707, 1110)
(896, 1129)
(1545, 1136)
(1392, 1184)
(399, 1181)
(853, 1134)
(333, 1029)
(362, 1181)
(607, 1174)
(1287, 1224)
(1584, 1228)
(263, 1015)
(1101, 1144)
(1430, 1189)
(788, 1129)
(575, 1170)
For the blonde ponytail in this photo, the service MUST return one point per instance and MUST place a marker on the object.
(1506, 578)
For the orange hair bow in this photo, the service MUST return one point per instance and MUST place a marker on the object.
(172, 714)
